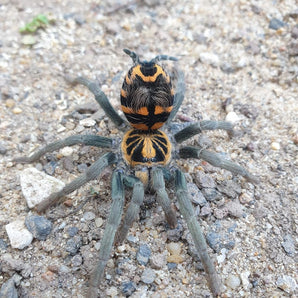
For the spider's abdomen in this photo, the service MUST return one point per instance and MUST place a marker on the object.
(147, 96)
(148, 149)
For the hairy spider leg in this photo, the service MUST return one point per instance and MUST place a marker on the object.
(216, 160)
(179, 95)
(100, 97)
(188, 214)
(158, 185)
(91, 173)
(88, 140)
(133, 208)
(109, 234)
(198, 127)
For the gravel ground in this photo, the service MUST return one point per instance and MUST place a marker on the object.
(240, 63)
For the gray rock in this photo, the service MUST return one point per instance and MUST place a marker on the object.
(8, 289)
(217, 241)
(196, 195)
(3, 149)
(148, 276)
(128, 288)
(39, 226)
(143, 254)
(276, 24)
(289, 245)
(204, 180)
(73, 245)
(286, 283)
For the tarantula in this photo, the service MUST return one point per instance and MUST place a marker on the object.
(144, 159)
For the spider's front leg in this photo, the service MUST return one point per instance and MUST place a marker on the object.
(100, 97)
(188, 213)
(109, 234)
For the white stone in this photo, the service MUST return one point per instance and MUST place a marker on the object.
(37, 186)
(275, 146)
(18, 235)
(66, 151)
(232, 117)
(233, 281)
(209, 58)
(245, 279)
(87, 122)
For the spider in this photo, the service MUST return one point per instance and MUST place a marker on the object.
(144, 159)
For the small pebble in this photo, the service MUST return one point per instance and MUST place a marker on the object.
(8, 289)
(82, 167)
(73, 245)
(128, 288)
(148, 276)
(275, 146)
(39, 226)
(77, 261)
(174, 248)
(3, 149)
(66, 151)
(10, 103)
(157, 261)
(37, 186)
(286, 283)
(18, 235)
(232, 117)
(211, 194)
(87, 122)
(72, 231)
(196, 195)
(143, 254)
(204, 180)
(233, 281)
(209, 58)
(98, 222)
(289, 245)
(17, 110)
(218, 241)
(177, 259)
(205, 211)
(276, 24)
(3, 245)
(89, 215)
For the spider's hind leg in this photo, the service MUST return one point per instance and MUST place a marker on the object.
(188, 213)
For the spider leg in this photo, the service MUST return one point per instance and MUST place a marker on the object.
(133, 208)
(216, 160)
(109, 233)
(198, 127)
(89, 140)
(91, 173)
(158, 185)
(100, 97)
(188, 213)
(179, 95)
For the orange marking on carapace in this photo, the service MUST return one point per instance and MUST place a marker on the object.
(157, 125)
(123, 93)
(127, 110)
(143, 111)
(137, 71)
(160, 110)
(139, 126)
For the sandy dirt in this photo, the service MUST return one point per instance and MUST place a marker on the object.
(240, 63)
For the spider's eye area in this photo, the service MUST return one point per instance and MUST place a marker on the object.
(147, 149)
(147, 96)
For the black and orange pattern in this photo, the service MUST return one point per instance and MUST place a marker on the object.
(147, 100)
(147, 96)
(148, 149)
